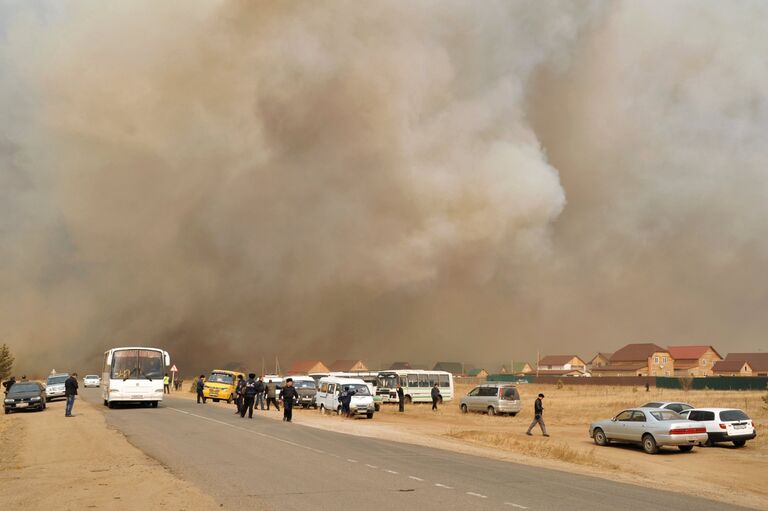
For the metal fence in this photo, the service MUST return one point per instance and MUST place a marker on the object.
(711, 383)
(714, 383)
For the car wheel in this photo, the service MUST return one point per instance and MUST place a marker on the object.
(464, 409)
(708, 442)
(739, 443)
(512, 414)
(7, 411)
(154, 404)
(491, 411)
(600, 439)
(369, 415)
(215, 400)
(649, 444)
(685, 448)
(111, 404)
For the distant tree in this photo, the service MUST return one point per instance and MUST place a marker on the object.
(765, 398)
(6, 362)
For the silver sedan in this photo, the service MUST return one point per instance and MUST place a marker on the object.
(650, 427)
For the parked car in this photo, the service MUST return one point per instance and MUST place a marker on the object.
(723, 425)
(220, 385)
(54, 386)
(493, 398)
(91, 380)
(650, 427)
(307, 390)
(330, 388)
(28, 395)
(669, 405)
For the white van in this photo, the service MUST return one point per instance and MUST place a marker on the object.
(327, 398)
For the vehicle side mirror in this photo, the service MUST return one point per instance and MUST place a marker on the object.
(613, 420)
(167, 358)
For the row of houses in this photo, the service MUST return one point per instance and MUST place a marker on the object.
(648, 359)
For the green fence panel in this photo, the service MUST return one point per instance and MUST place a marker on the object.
(715, 383)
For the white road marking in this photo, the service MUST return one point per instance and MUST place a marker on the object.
(515, 505)
(371, 466)
(477, 495)
(444, 486)
(351, 460)
(391, 472)
(415, 478)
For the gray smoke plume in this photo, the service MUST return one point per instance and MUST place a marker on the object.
(241, 180)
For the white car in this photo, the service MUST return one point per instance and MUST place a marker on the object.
(650, 427)
(54, 386)
(669, 405)
(723, 425)
(329, 391)
(91, 380)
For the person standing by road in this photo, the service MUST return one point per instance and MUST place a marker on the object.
(70, 390)
(10, 383)
(538, 416)
(249, 396)
(436, 396)
(288, 395)
(272, 395)
(260, 388)
(200, 385)
(239, 397)
(400, 399)
(166, 384)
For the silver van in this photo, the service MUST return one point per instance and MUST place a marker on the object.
(493, 398)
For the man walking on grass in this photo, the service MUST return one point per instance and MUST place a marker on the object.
(436, 396)
(538, 417)
(70, 390)
(400, 399)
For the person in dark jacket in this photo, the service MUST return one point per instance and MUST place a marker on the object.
(260, 390)
(9, 383)
(239, 397)
(70, 390)
(436, 396)
(249, 396)
(272, 395)
(400, 399)
(200, 386)
(538, 416)
(288, 395)
(344, 400)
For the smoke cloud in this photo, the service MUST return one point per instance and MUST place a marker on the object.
(443, 180)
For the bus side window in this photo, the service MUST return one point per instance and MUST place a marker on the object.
(444, 381)
(413, 380)
(432, 379)
(403, 381)
(423, 381)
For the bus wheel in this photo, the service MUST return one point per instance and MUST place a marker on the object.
(111, 404)
(154, 404)
(408, 400)
(215, 400)
(105, 402)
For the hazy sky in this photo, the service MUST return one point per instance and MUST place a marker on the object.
(387, 180)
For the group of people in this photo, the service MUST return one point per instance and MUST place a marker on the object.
(253, 393)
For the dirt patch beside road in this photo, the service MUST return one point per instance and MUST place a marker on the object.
(49, 462)
(722, 473)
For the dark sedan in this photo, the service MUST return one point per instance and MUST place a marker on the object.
(25, 396)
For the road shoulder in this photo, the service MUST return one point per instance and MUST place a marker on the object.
(53, 462)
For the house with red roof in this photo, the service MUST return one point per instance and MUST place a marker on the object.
(694, 360)
(732, 368)
(638, 359)
(307, 367)
(562, 365)
(758, 362)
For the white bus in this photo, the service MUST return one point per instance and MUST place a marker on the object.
(417, 385)
(134, 374)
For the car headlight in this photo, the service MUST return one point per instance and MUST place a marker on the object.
(36, 398)
(10, 401)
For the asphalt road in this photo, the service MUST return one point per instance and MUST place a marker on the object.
(266, 464)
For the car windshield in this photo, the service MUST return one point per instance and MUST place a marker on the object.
(733, 415)
(358, 389)
(54, 380)
(24, 387)
(90, 376)
(667, 415)
(221, 378)
(137, 364)
(304, 384)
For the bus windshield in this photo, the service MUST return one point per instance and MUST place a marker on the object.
(387, 381)
(221, 378)
(137, 364)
